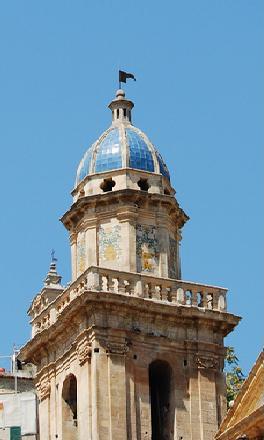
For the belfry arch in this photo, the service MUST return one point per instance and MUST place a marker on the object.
(161, 400)
(69, 408)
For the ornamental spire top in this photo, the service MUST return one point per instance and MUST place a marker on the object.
(121, 108)
(52, 278)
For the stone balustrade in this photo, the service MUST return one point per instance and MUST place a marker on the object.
(166, 290)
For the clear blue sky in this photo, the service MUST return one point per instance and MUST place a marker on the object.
(199, 96)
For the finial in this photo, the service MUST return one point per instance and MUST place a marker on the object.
(52, 275)
(120, 94)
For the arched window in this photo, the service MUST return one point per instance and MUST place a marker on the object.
(160, 398)
(69, 409)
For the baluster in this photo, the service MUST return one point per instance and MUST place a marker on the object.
(94, 280)
(155, 291)
(139, 289)
(147, 291)
(209, 301)
(222, 302)
(121, 286)
(111, 284)
(215, 296)
(180, 295)
(173, 293)
(127, 287)
(85, 282)
(164, 293)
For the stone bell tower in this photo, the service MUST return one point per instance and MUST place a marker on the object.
(128, 350)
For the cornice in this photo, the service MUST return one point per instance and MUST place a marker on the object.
(96, 303)
(129, 200)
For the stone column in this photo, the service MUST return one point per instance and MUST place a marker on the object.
(73, 243)
(126, 245)
(182, 400)
(53, 404)
(207, 397)
(220, 396)
(133, 246)
(117, 391)
(131, 400)
(100, 393)
(84, 392)
(164, 249)
(143, 408)
(44, 408)
(91, 247)
(178, 255)
(195, 410)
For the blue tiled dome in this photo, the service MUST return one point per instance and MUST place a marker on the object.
(121, 147)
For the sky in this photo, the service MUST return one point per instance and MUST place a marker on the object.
(199, 97)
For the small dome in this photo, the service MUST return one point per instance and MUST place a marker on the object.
(121, 146)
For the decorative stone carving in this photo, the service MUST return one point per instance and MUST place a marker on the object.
(84, 352)
(205, 362)
(117, 348)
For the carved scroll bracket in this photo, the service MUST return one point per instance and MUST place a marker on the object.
(206, 362)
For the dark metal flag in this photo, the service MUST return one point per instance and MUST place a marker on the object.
(123, 76)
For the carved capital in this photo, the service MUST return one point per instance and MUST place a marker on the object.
(117, 348)
(206, 362)
(84, 352)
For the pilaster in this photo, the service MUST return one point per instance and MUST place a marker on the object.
(117, 390)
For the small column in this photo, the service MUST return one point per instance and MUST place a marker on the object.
(164, 245)
(133, 246)
(126, 245)
(53, 402)
(91, 247)
(73, 244)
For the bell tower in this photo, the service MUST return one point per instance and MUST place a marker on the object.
(128, 350)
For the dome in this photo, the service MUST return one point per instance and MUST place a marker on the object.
(121, 146)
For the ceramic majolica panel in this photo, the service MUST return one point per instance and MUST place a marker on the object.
(109, 243)
(147, 249)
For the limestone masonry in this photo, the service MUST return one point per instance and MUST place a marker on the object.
(128, 350)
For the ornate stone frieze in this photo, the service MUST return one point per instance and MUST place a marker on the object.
(206, 362)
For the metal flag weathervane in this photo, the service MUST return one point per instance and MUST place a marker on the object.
(53, 258)
(123, 76)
